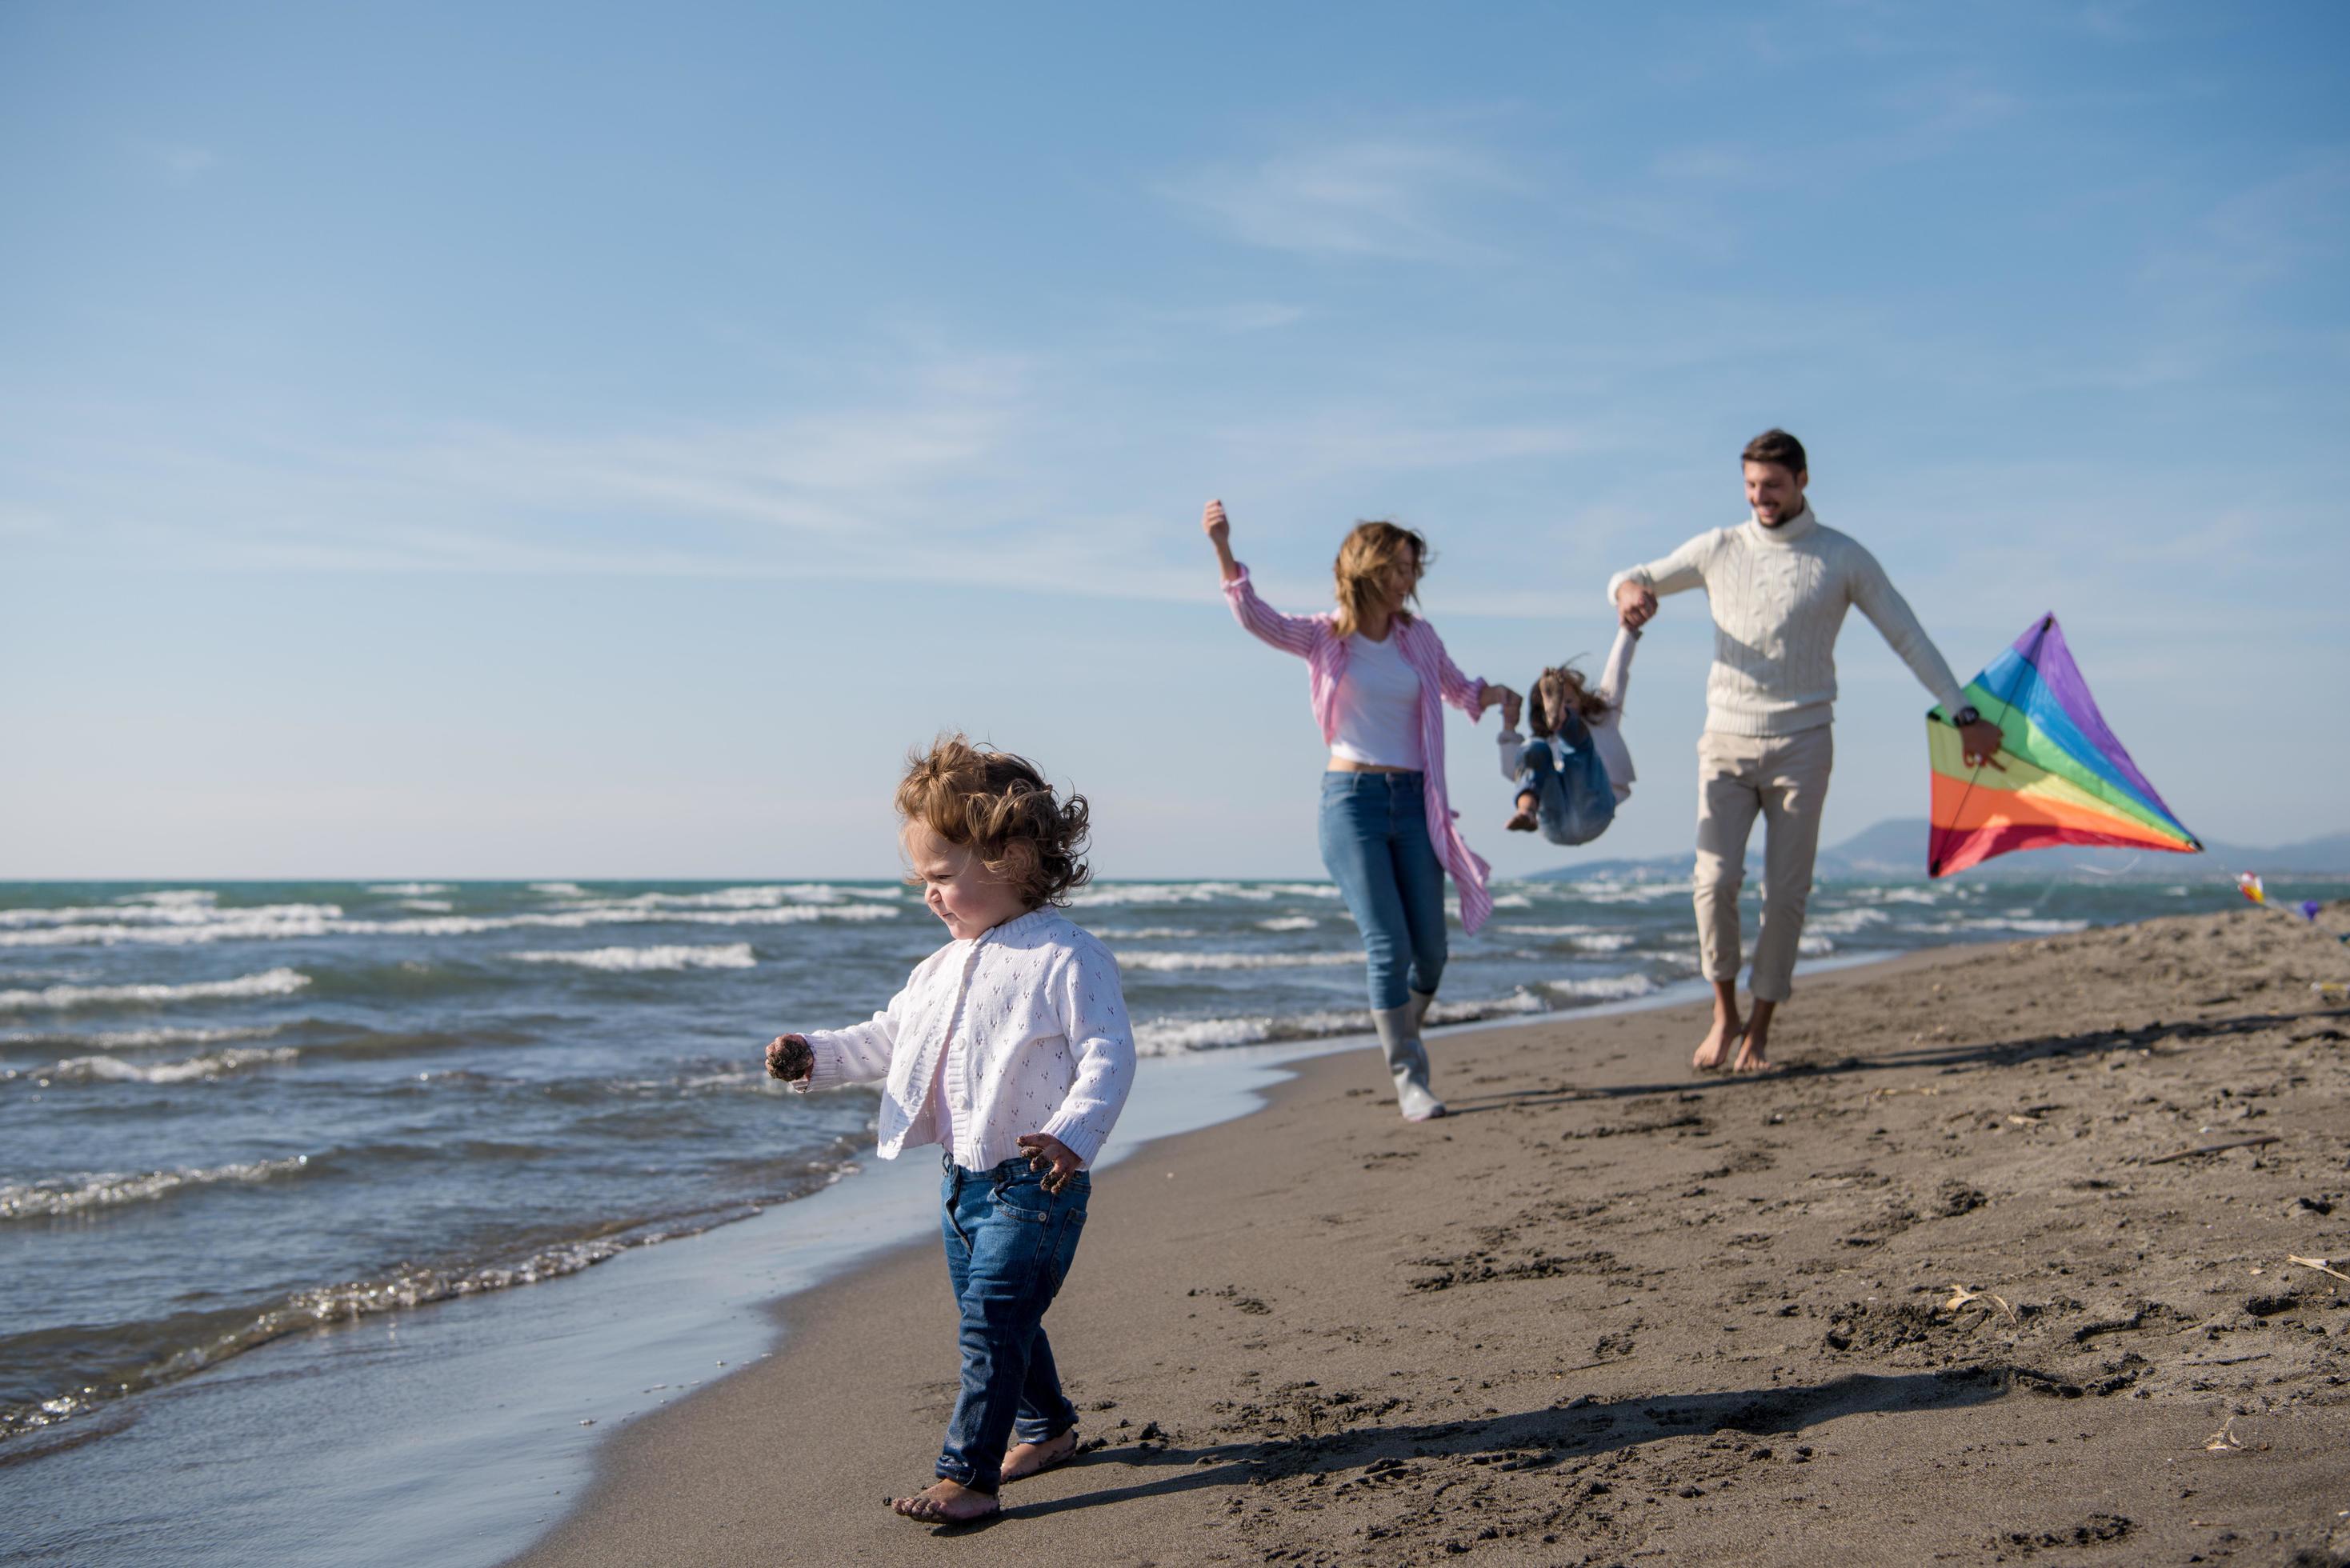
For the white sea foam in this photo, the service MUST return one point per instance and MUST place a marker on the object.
(173, 898)
(1288, 923)
(411, 890)
(142, 1039)
(114, 1070)
(1605, 942)
(633, 960)
(110, 1189)
(1811, 944)
(269, 982)
(430, 906)
(1548, 931)
(180, 928)
(1109, 893)
(2030, 928)
(1173, 1036)
(1145, 933)
(559, 889)
(1172, 960)
(281, 923)
(1845, 922)
(1604, 988)
(1512, 901)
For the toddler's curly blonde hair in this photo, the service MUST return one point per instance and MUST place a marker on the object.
(999, 807)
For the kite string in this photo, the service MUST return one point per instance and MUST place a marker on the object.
(2007, 704)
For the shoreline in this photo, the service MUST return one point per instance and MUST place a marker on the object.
(1210, 1308)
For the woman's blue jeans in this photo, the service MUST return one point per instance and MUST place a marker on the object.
(1375, 842)
(1009, 1246)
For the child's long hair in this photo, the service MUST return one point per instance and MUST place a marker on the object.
(1000, 808)
(1369, 549)
(1558, 691)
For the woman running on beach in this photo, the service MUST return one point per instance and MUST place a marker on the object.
(1377, 674)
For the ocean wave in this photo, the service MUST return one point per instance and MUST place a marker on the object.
(166, 916)
(58, 1196)
(1171, 960)
(1548, 931)
(2030, 928)
(114, 1070)
(139, 1039)
(1174, 1036)
(1602, 987)
(1288, 923)
(173, 898)
(559, 889)
(1102, 894)
(1811, 944)
(403, 1288)
(1845, 922)
(634, 960)
(430, 906)
(298, 921)
(269, 982)
(410, 889)
(1146, 933)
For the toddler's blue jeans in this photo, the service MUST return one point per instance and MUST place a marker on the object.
(1009, 1245)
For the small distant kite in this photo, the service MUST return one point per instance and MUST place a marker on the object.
(2249, 884)
(2060, 777)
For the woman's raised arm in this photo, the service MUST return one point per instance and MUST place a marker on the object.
(1290, 633)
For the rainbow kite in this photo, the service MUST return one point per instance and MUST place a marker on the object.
(2060, 776)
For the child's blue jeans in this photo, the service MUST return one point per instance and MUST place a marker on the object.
(1562, 816)
(1009, 1246)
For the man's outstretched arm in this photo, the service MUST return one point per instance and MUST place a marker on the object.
(1882, 603)
(1633, 593)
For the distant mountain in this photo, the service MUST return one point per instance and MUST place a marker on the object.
(1894, 850)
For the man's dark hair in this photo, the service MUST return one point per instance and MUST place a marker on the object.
(1777, 446)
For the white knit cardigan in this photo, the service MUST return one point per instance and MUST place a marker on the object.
(1033, 1024)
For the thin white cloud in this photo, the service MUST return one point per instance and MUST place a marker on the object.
(1398, 198)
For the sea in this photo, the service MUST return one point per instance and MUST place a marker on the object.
(236, 1112)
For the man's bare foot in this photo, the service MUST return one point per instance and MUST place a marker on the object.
(1522, 823)
(949, 1502)
(1033, 1458)
(1714, 1049)
(1749, 1058)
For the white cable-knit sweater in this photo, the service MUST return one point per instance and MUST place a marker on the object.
(1779, 597)
(1032, 1027)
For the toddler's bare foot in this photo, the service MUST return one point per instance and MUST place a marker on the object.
(1033, 1458)
(949, 1502)
(1522, 823)
(1714, 1049)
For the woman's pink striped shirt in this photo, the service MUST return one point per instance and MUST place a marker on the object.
(1313, 639)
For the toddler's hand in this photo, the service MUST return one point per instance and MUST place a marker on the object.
(789, 1058)
(1048, 1154)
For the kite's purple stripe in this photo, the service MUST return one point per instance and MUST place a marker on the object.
(2054, 661)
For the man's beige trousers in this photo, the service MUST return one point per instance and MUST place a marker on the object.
(1786, 779)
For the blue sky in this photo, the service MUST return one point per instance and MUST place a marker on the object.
(589, 441)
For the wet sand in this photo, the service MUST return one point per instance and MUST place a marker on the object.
(1608, 1313)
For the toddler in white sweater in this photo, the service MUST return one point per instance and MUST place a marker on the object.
(1010, 1048)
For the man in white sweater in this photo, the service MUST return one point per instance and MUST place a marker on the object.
(1779, 585)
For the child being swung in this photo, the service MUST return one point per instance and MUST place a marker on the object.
(1553, 793)
(1010, 1048)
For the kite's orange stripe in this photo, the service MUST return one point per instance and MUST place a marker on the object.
(1957, 808)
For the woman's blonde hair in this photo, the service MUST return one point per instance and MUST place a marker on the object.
(1369, 550)
(999, 807)
(1558, 691)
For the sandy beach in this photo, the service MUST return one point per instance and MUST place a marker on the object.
(1949, 1289)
